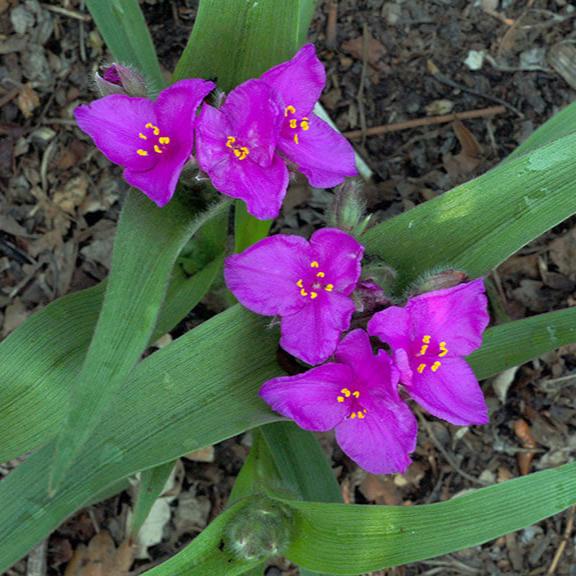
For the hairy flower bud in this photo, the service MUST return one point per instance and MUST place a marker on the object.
(438, 279)
(119, 79)
(349, 209)
(261, 530)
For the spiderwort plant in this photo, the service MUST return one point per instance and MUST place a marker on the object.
(308, 284)
(152, 140)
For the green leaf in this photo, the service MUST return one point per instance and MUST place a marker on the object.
(124, 29)
(351, 539)
(247, 229)
(162, 412)
(152, 483)
(477, 225)
(147, 244)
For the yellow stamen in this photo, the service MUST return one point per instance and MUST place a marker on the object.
(155, 129)
(353, 415)
(435, 366)
(243, 152)
(426, 339)
(443, 350)
(329, 287)
(313, 295)
(304, 124)
(423, 350)
(340, 399)
(303, 292)
(164, 140)
(293, 123)
(361, 415)
(421, 368)
(346, 392)
(289, 110)
(141, 152)
(300, 283)
(356, 394)
(314, 264)
(142, 136)
(157, 149)
(320, 275)
(296, 141)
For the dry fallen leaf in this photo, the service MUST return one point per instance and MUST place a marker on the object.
(469, 157)
(28, 100)
(524, 434)
(375, 50)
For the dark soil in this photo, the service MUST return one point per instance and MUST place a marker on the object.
(387, 62)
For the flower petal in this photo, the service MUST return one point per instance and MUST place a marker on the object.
(451, 393)
(322, 154)
(263, 277)
(458, 315)
(382, 441)
(310, 399)
(313, 333)
(255, 119)
(340, 258)
(300, 81)
(391, 326)
(114, 122)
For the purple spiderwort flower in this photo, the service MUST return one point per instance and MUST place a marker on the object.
(308, 284)
(430, 337)
(322, 154)
(152, 140)
(358, 396)
(236, 145)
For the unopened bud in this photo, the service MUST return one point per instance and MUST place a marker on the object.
(438, 279)
(349, 209)
(120, 79)
(261, 530)
(369, 296)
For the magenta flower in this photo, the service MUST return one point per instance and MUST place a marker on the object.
(358, 396)
(308, 284)
(430, 337)
(322, 154)
(236, 145)
(152, 140)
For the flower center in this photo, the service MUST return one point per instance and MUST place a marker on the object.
(296, 123)
(424, 351)
(351, 397)
(316, 282)
(239, 151)
(155, 142)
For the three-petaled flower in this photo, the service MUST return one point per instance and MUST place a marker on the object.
(236, 147)
(308, 284)
(153, 140)
(322, 154)
(358, 396)
(430, 337)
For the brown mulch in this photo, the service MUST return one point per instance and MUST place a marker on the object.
(388, 62)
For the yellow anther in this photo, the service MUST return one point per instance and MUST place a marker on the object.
(305, 124)
(243, 153)
(340, 399)
(141, 152)
(313, 295)
(157, 149)
(356, 394)
(142, 136)
(435, 366)
(443, 350)
(237, 153)
(230, 141)
(329, 287)
(154, 128)
(293, 123)
(423, 350)
(303, 292)
(164, 140)
(421, 368)
(314, 264)
(426, 339)
(346, 392)
(361, 415)
(289, 110)
(353, 415)
(320, 275)
(296, 140)
(300, 283)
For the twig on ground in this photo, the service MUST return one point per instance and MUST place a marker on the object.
(563, 541)
(428, 121)
(9, 96)
(65, 12)
(331, 25)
